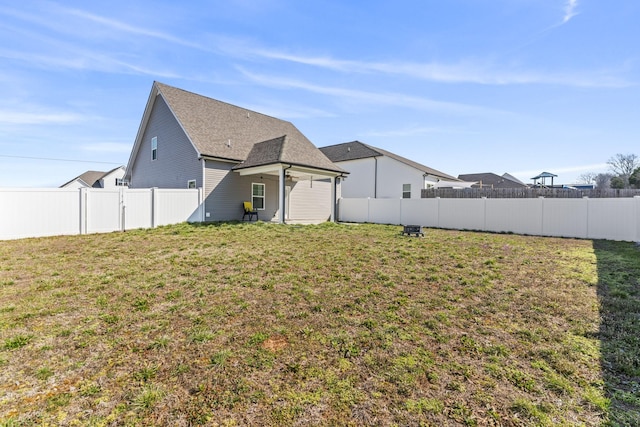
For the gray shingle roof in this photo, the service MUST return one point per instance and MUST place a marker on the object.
(358, 150)
(221, 130)
(91, 178)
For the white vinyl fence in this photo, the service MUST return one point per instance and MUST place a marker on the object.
(26, 212)
(611, 219)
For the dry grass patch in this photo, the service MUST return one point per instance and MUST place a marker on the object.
(264, 324)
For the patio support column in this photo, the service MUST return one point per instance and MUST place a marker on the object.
(281, 194)
(333, 199)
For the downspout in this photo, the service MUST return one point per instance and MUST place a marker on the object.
(204, 193)
(375, 179)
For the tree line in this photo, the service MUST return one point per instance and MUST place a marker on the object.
(624, 172)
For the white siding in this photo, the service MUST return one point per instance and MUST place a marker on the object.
(391, 175)
(360, 182)
(310, 200)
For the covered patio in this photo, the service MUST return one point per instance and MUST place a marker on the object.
(273, 158)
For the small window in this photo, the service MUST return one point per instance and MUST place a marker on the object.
(154, 148)
(191, 183)
(406, 191)
(257, 196)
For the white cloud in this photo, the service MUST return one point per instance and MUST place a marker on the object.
(22, 118)
(569, 10)
(464, 71)
(368, 98)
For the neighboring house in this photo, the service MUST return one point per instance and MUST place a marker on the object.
(377, 173)
(97, 179)
(492, 180)
(186, 140)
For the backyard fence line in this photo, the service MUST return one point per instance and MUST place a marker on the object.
(41, 212)
(610, 219)
(525, 192)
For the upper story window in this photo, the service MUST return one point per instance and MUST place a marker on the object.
(406, 191)
(154, 148)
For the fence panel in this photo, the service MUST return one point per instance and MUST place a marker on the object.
(464, 214)
(354, 210)
(103, 210)
(419, 212)
(384, 211)
(38, 212)
(172, 206)
(522, 216)
(566, 217)
(43, 212)
(138, 211)
(614, 219)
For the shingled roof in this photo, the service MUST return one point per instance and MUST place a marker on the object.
(91, 178)
(358, 150)
(221, 130)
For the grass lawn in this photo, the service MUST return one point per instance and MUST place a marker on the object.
(266, 324)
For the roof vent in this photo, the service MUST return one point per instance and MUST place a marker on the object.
(349, 149)
(229, 142)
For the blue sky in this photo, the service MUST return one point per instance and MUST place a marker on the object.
(463, 86)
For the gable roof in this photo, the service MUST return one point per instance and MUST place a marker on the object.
(224, 131)
(91, 178)
(493, 180)
(358, 150)
(286, 149)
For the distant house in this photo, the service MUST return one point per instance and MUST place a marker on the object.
(377, 173)
(492, 180)
(97, 179)
(186, 140)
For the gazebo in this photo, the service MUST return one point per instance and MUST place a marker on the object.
(542, 177)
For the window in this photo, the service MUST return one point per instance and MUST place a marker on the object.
(257, 196)
(154, 148)
(191, 183)
(406, 191)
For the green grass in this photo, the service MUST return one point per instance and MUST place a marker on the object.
(266, 324)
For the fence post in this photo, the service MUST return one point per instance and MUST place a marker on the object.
(484, 213)
(368, 209)
(400, 219)
(541, 198)
(154, 207)
(438, 216)
(637, 199)
(201, 203)
(588, 207)
(83, 211)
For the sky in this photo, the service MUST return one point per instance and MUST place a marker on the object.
(462, 86)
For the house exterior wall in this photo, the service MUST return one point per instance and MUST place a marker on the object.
(360, 182)
(310, 200)
(391, 175)
(177, 161)
(109, 181)
(226, 190)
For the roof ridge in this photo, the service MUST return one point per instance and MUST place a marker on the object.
(219, 101)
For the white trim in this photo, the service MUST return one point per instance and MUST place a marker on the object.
(263, 197)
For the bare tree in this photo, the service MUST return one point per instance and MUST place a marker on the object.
(623, 165)
(588, 177)
(603, 180)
